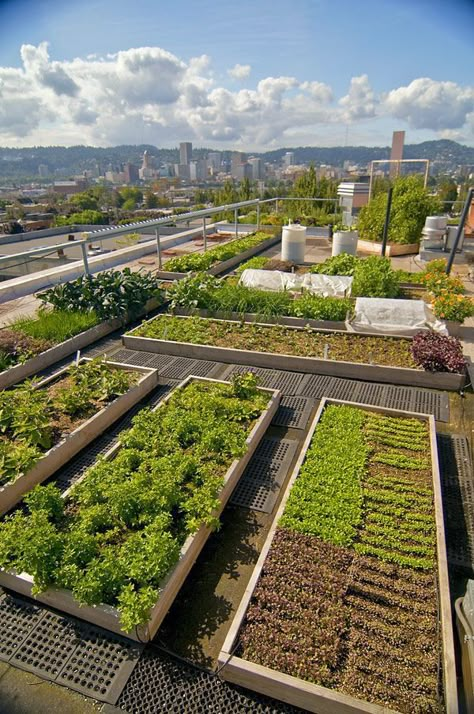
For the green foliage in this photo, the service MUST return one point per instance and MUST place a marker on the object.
(85, 218)
(85, 201)
(123, 526)
(342, 264)
(55, 325)
(411, 204)
(321, 308)
(326, 499)
(203, 261)
(375, 277)
(27, 413)
(113, 293)
(257, 263)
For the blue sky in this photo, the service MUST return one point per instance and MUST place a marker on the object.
(343, 71)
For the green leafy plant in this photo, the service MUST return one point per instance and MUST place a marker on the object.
(122, 527)
(375, 277)
(257, 263)
(113, 293)
(203, 261)
(55, 326)
(342, 264)
(321, 308)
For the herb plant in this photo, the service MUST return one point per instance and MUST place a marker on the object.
(437, 353)
(203, 261)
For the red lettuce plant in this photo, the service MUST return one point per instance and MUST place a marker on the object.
(437, 353)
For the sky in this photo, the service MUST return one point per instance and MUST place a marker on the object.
(252, 75)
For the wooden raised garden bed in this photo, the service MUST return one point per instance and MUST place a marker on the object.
(339, 620)
(64, 450)
(368, 246)
(36, 364)
(225, 265)
(109, 617)
(313, 365)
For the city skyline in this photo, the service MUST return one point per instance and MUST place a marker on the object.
(244, 78)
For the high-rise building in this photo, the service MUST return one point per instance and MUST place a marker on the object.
(289, 158)
(398, 139)
(257, 168)
(214, 161)
(130, 173)
(238, 159)
(185, 152)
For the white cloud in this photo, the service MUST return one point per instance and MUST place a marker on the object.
(428, 104)
(240, 71)
(147, 94)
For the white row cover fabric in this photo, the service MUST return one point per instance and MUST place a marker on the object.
(277, 280)
(400, 317)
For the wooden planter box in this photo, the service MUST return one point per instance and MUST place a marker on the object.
(368, 246)
(224, 265)
(313, 697)
(61, 453)
(16, 374)
(309, 365)
(107, 616)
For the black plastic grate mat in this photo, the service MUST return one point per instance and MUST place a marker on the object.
(104, 346)
(140, 359)
(421, 401)
(182, 367)
(293, 412)
(163, 684)
(260, 484)
(458, 499)
(287, 382)
(65, 650)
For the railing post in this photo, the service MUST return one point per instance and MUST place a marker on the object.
(84, 259)
(236, 211)
(204, 234)
(158, 245)
(258, 216)
(387, 220)
(465, 211)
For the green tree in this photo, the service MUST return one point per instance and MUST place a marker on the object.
(84, 201)
(411, 204)
(448, 193)
(151, 201)
(131, 195)
(83, 218)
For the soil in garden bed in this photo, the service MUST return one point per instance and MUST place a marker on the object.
(15, 347)
(360, 618)
(277, 339)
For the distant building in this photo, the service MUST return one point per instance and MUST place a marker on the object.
(214, 162)
(289, 158)
(257, 168)
(131, 174)
(238, 159)
(398, 140)
(185, 152)
(198, 170)
(183, 171)
(68, 188)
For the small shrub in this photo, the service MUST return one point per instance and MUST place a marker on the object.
(374, 277)
(451, 306)
(437, 353)
(321, 308)
(342, 264)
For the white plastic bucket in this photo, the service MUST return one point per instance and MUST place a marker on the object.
(345, 242)
(437, 223)
(293, 243)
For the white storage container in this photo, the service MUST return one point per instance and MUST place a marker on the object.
(293, 243)
(345, 242)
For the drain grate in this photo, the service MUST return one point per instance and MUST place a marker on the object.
(421, 401)
(458, 499)
(140, 359)
(260, 484)
(182, 367)
(287, 382)
(65, 650)
(293, 412)
(162, 684)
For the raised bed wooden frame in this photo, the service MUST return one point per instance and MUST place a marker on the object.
(107, 616)
(225, 265)
(313, 697)
(368, 246)
(61, 453)
(18, 372)
(309, 365)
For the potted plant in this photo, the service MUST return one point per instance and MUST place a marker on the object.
(453, 309)
(344, 239)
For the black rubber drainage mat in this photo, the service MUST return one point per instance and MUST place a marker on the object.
(421, 401)
(293, 412)
(260, 484)
(458, 499)
(287, 382)
(168, 366)
(163, 684)
(64, 650)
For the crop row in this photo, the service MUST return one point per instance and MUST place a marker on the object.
(33, 420)
(279, 339)
(378, 520)
(203, 261)
(121, 528)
